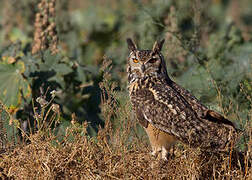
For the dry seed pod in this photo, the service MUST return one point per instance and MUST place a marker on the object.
(53, 25)
(40, 6)
(51, 5)
(49, 28)
(45, 34)
(43, 38)
(38, 16)
(52, 11)
(54, 38)
(51, 33)
(42, 34)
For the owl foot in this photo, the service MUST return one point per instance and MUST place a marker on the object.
(162, 151)
(164, 154)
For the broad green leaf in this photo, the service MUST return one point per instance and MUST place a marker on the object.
(62, 69)
(12, 83)
(55, 63)
(81, 76)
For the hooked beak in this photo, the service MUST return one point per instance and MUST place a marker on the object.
(142, 68)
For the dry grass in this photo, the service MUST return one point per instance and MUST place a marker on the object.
(99, 158)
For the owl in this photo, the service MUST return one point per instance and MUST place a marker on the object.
(168, 112)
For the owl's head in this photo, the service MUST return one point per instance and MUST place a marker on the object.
(145, 63)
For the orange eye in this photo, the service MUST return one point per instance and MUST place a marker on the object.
(135, 60)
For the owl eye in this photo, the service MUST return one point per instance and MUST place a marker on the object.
(135, 60)
(152, 60)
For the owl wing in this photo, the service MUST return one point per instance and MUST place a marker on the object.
(191, 100)
(168, 111)
(201, 110)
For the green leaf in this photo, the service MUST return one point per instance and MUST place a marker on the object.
(12, 83)
(55, 63)
(81, 76)
(62, 69)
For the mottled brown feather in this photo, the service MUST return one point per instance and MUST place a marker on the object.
(162, 104)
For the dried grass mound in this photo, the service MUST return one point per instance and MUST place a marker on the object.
(78, 156)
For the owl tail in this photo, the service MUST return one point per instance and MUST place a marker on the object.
(219, 119)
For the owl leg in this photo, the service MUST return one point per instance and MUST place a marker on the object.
(156, 150)
(164, 153)
(160, 150)
(173, 151)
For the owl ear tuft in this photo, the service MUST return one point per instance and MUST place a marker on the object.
(157, 47)
(131, 45)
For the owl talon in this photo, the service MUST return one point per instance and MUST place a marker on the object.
(164, 154)
(162, 151)
(155, 151)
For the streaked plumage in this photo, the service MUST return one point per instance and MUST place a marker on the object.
(167, 111)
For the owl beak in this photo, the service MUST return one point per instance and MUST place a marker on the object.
(142, 68)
